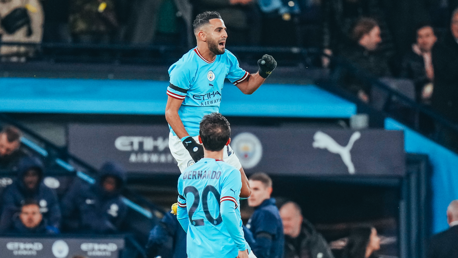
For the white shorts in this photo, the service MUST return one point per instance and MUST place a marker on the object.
(184, 159)
(251, 255)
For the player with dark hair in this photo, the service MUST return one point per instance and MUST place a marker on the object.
(195, 90)
(208, 198)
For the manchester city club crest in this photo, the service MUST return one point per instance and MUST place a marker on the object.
(248, 149)
(211, 76)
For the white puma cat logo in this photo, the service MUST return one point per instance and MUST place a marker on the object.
(324, 141)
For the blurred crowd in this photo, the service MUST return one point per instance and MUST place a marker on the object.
(30, 205)
(414, 41)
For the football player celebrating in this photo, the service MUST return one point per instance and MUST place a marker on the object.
(195, 90)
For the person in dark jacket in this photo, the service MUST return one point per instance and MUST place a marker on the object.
(365, 56)
(99, 208)
(443, 244)
(445, 62)
(167, 239)
(417, 64)
(30, 221)
(363, 242)
(10, 151)
(301, 238)
(265, 223)
(29, 185)
(339, 17)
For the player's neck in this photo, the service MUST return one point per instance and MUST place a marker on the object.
(206, 53)
(218, 155)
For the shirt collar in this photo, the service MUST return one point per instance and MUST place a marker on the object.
(202, 57)
(267, 202)
(454, 223)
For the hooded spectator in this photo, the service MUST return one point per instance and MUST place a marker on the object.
(31, 221)
(10, 151)
(167, 239)
(99, 208)
(29, 185)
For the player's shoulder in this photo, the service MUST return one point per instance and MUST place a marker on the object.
(229, 57)
(186, 62)
(228, 170)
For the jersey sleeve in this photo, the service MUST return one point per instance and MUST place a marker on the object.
(180, 81)
(182, 212)
(236, 74)
(231, 187)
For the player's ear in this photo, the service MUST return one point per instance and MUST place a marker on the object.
(202, 36)
(200, 140)
(270, 190)
(228, 141)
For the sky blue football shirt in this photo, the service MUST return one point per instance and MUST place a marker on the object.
(199, 83)
(201, 188)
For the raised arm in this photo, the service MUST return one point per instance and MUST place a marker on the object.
(266, 65)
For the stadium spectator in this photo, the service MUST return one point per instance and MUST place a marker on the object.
(10, 151)
(97, 208)
(93, 21)
(29, 185)
(265, 223)
(159, 22)
(363, 242)
(31, 221)
(417, 64)
(339, 17)
(443, 244)
(22, 22)
(445, 63)
(167, 239)
(241, 17)
(301, 238)
(365, 55)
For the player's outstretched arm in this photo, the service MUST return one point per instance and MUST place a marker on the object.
(266, 65)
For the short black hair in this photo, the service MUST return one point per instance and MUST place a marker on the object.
(215, 131)
(12, 133)
(357, 241)
(204, 18)
(422, 25)
(263, 177)
(28, 202)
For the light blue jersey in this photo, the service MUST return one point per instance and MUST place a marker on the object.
(199, 83)
(203, 188)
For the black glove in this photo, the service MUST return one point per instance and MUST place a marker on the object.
(266, 65)
(195, 150)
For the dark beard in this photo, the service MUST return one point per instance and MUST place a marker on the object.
(213, 46)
